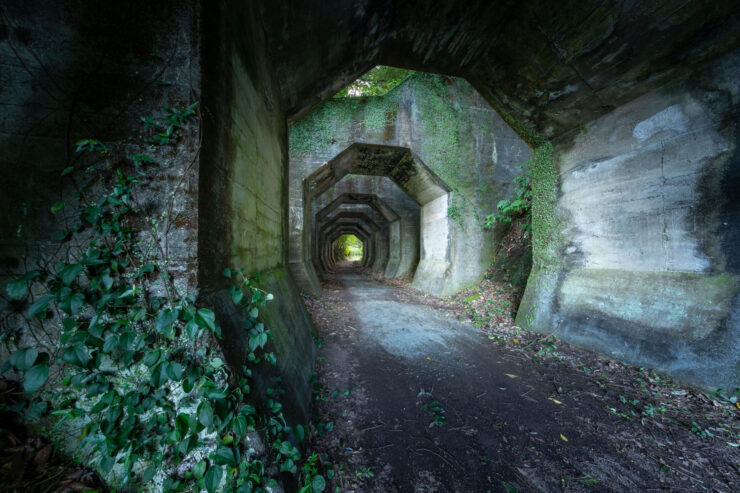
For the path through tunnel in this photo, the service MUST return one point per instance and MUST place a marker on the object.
(595, 142)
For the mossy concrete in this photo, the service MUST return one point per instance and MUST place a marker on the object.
(637, 263)
(463, 142)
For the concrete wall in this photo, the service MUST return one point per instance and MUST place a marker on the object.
(404, 243)
(648, 224)
(243, 196)
(457, 136)
(56, 87)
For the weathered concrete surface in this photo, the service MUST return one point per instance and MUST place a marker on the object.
(555, 65)
(57, 87)
(404, 233)
(647, 227)
(243, 194)
(451, 132)
(379, 211)
(375, 258)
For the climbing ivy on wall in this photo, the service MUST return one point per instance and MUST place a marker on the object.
(520, 206)
(543, 181)
(108, 348)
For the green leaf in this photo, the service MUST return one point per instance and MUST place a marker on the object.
(76, 355)
(208, 318)
(166, 318)
(35, 378)
(174, 371)
(213, 478)
(217, 394)
(152, 358)
(106, 464)
(318, 483)
(23, 359)
(67, 170)
(76, 303)
(148, 474)
(138, 158)
(17, 289)
(287, 449)
(96, 329)
(205, 414)
(199, 469)
(236, 295)
(191, 329)
(224, 456)
(39, 306)
(182, 424)
(258, 340)
(58, 207)
(288, 466)
(110, 343)
(300, 432)
(239, 425)
(70, 272)
(129, 293)
(226, 273)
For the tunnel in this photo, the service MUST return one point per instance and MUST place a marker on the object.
(388, 241)
(623, 116)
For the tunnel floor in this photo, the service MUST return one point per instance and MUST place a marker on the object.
(422, 402)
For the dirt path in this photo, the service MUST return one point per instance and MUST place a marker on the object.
(420, 401)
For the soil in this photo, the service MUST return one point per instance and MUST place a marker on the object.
(448, 395)
(30, 462)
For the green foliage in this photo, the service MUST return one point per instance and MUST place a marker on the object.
(132, 364)
(433, 408)
(349, 246)
(520, 206)
(375, 82)
(445, 127)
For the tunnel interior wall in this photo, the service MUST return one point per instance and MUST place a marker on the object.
(403, 257)
(642, 264)
(57, 87)
(456, 134)
(243, 196)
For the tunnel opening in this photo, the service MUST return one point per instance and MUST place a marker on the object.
(348, 248)
(633, 210)
(440, 143)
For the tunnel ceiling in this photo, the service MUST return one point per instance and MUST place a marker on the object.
(556, 64)
(397, 163)
(368, 199)
(351, 214)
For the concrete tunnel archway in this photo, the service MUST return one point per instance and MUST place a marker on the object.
(581, 90)
(408, 171)
(331, 257)
(376, 253)
(373, 202)
(361, 223)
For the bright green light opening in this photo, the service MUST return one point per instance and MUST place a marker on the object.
(350, 247)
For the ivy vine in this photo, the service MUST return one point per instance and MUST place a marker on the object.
(113, 352)
(520, 205)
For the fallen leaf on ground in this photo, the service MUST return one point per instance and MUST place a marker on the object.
(510, 375)
(554, 400)
(563, 437)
